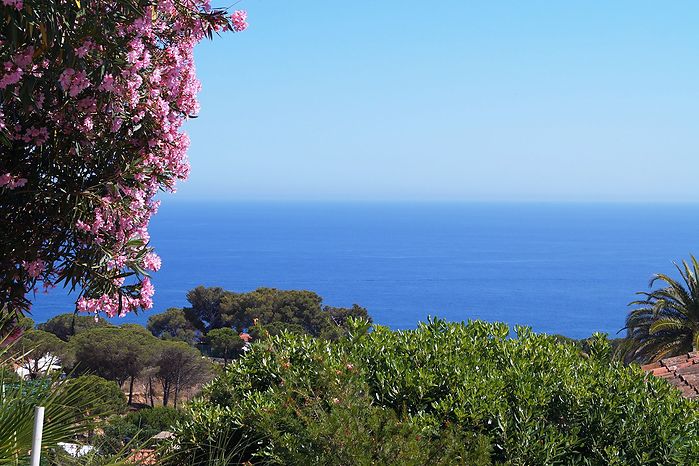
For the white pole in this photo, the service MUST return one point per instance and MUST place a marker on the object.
(38, 432)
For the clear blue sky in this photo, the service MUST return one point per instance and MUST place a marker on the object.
(451, 100)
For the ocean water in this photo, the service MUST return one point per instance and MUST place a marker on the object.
(559, 268)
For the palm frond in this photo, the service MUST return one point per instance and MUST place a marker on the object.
(665, 324)
(665, 321)
(64, 415)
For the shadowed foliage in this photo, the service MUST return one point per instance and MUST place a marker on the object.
(66, 325)
(172, 325)
(67, 406)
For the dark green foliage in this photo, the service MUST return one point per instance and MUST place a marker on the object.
(8, 375)
(67, 413)
(205, 308)
(65, 326)
(666, 321)
(585, 344)
(137, 428)
(110, 352)
(137, 329)
(275, 328)
(527, 400)
(172, 325)
(38, 351)
(225, 343)
(178, 366)
(107, 396)
(39, 342)
(271, 305)
(298, 309)
(341, 315)
(114, 353)
(25, 323)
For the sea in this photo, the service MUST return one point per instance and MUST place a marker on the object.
(561, 268)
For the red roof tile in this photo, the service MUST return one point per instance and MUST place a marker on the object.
(653, 365)
(680, 371)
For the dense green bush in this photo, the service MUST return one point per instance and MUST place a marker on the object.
(108, 397)
(462, 392)
(138, 427)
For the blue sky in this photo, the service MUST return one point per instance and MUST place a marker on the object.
(451, 100)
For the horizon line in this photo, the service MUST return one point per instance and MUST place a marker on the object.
(175, 199)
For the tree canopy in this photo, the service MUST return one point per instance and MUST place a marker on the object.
(113, 353)
(204, 311)
(225, 343)
(217, 308)
(109, 399)
(178, 366)
(172, 325)
(65, 326)
(38, 351)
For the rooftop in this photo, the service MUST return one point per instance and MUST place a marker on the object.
(681, 371)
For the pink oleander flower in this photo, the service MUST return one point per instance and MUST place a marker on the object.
(12, 76)
(34, 268)
(152, 262)
(147, 292)
(9, 181)
(18, 4)
(24, 58)
(84, 49)
(5, 179)
(18, 183)
(79, 83)
(107, 83)
(239, 20)
(66, 78)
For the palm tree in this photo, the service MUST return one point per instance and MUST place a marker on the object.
(666, 321)
(65, 405)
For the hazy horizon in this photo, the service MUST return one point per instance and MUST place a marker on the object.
(171, 199)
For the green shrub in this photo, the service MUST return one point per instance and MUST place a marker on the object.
(108, 397)
(138, 427)
(444, 393)
(8, 375)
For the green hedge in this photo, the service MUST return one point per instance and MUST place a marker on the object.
(444, 393)
(137, 428)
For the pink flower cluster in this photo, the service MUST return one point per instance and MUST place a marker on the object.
(110, 119)
(15, 69)
(35, 268)
(119, 305)
(239, 19)
(18, 4)
(152, 262)
(74, 82)
(11, 182)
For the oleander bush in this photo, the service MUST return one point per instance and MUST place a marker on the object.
(445, 393)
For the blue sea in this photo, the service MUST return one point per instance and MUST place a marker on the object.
(569, 269)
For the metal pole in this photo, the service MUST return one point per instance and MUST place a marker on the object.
(38, 432)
